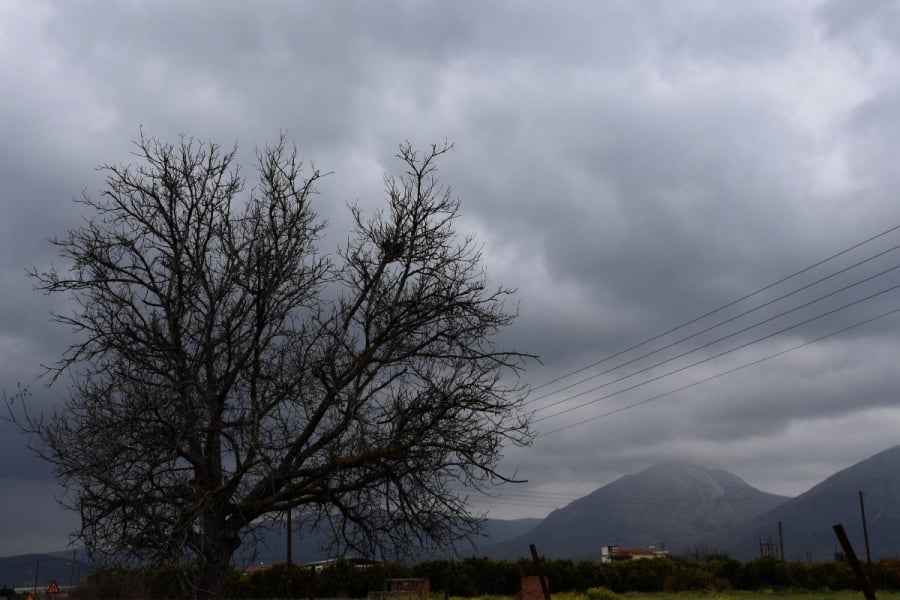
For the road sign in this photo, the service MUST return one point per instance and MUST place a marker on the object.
(53, 588)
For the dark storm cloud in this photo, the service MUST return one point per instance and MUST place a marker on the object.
(627, 166)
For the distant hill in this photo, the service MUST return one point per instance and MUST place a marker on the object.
(310, 546)
(22, 570)
(19, 570)
(497, 531)
(807, 520)
(673, 505)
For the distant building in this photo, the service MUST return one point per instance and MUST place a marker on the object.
(356, 562)
(615, 553)
(359, 563)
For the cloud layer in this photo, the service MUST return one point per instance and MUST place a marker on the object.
(627, 167)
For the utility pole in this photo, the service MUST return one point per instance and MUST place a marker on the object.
(72, 571)
(37, 568)
(862, 510)
(780, 540)
(289, 557)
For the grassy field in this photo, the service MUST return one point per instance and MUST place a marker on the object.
(768, 595)
(734, 595)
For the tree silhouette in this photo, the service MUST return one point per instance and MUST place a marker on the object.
(225, 369)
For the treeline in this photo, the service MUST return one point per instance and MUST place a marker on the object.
(476, 576)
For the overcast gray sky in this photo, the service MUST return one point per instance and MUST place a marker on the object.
(628, 166)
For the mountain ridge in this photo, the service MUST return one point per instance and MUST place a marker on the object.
(670, 504)
(673, 504)
(807, 520)
(684, 507)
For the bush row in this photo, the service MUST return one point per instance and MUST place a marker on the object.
(477, 576)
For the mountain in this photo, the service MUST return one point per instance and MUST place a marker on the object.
(807, 520)
(311, 546)
(673, 505)
(20, 570)
(24, 570)
(497, 531)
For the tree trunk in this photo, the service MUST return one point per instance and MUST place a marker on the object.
(215, 564)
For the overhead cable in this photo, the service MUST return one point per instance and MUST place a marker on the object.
(731, 335)
(717, 375)
(716, 325)
(716, 310)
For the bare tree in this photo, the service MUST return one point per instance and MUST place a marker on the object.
(224, 369)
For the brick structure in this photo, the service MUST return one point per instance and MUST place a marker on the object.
(402, 589)
(531, 589)
(414, 587)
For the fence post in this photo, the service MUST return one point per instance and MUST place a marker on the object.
(540, 572)
(868, 590)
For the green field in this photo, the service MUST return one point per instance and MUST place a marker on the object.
(733, 595)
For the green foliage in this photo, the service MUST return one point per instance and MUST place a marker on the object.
(113, 583)
(636, 575)
(764, 572)
(589, 573)
(715, 578)
(472, 576)
(152, 581)
(601, 593)
(340, 580)
(689, 575)
(886, 574)
(840, 577)
(723, 568)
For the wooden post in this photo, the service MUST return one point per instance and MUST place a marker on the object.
(540, 572)
(868, 590)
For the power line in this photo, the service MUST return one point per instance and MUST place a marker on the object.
(545, 495)
(550, 499)
(538, 502)
(644, 501)
(717, 310)
(710, 328)
(722, 374)
(715, 356)
(725, 337)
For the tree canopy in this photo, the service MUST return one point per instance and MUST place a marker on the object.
(224, 368)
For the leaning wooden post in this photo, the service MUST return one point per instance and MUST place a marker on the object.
(868, 590)
(540, 572)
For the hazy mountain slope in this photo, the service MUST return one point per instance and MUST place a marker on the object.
(26, 569)
(671, 504)
(497, 531)
(313, 545)
(807, 520)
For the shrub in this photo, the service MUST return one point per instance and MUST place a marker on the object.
(601, 593)
(887, 573)
(765, 572)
